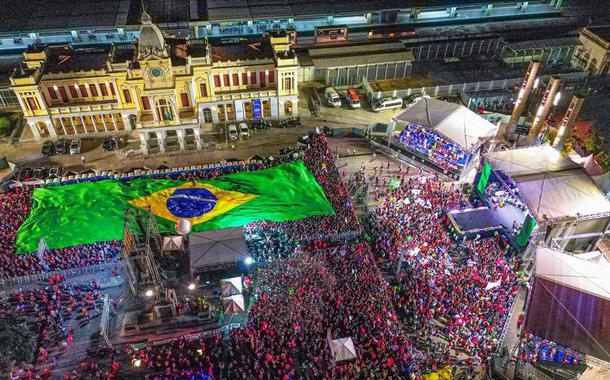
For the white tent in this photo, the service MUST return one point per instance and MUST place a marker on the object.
(231, 286)
(456, 122)
(574, 272)
(233, 304)
(218, 248)
(603, 181)
(563, 197)
(533, 162)
(588, 163)
(343, 349)
(172, 243)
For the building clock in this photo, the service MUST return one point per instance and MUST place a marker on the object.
(156, 72)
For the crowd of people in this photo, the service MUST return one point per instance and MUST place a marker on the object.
(432, 144)
(459, 294)
(54, 313)
(535, 349)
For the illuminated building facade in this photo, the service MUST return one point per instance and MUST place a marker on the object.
(592, 52)
(169, 91)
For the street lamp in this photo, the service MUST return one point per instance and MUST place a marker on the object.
(149, 293)
(192, 286)
(249, 260)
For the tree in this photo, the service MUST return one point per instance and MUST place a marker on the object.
(5, 125)
(18, 342)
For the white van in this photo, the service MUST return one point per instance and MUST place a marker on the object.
(387, 104)
(244, 131)
(233, 134)
(332, 97)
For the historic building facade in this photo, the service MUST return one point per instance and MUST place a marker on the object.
(592, 52)
(168, 91)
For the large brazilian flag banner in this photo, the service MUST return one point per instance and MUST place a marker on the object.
(89, 212)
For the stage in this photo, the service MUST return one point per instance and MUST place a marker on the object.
(472, 221)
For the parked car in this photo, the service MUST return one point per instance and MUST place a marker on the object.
(332, 97)
(48, 148)
(55, 171)
(260, 124)
(62, 146)
(109, 144)
(244, 131)
(353, 101)
(291, 122)
(387, 104)
(75, 146)
(232, 131)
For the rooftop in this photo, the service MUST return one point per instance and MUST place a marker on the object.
(242, 50)
(601, 31)
(64, 59)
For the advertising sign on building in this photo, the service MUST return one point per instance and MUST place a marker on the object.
(257, 109)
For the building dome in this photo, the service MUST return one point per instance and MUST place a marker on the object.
(151, 39)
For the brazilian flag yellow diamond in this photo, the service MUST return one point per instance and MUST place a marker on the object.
(196, 202)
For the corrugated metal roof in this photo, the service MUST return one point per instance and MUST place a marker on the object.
(362, 59)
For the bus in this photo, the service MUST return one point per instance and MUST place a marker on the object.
(388, 32)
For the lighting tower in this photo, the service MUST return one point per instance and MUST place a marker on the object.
(524, 93)
(567, 124)
(543, 109)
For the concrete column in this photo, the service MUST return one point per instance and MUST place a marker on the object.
(181, 141)
(74, 125)
(567, 124)
(198, 142)
(35, 131)
(63, 125)
(143, 142)
(51, 129)
(161, 140)
(104, 124)
(239, 109)
(84, 121)
(94, 124)
(126, 121)
(116, 127)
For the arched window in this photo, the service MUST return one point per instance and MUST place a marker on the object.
(288, 108)
(207, 115)
(165, 110)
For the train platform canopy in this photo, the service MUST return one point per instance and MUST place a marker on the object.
(456, 122)
(570, 301)
(551, 185)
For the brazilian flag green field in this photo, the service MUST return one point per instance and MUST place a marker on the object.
(89, 212)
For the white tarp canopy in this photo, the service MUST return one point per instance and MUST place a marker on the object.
(563, 197)
(231, 286)
(233, 304)
(456, 122)
(595, 373)
(219, 247)
(172, 243)
(588, 163)
(573, 272)
(603, 181)
(533, 162)
(343, 349)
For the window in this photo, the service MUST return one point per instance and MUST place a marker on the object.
(262, 78)
(93, 90)
(227, 82)
(32, 105)
(184, 98)
(287, 83)
(203, 90)
(271, 76)
(221, 113)
(266, 108)
(217, 80)
(244, 79)
(248, 110)
(253, 78)
(112, 89)
(145, 103)
(73, 92)
(52, 93)
(83, 91)
(164, 110)
(207, 115)
(126, 95)
(235, 79)
(103, 89)
(63, 94)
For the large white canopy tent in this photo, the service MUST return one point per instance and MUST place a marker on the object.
(172, 243)
(456, 122)
(211, 250)
(233, 304)
(570, 301)
(231, 286)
